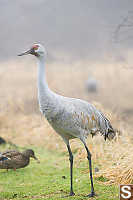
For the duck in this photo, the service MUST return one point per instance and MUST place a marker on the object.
(13, 159)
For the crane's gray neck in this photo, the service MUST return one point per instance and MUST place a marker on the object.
(45, 95)
(42, 83)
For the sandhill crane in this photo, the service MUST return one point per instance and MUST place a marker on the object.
(70, 118)
(91, 84)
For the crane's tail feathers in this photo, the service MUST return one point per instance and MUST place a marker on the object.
(108, 132)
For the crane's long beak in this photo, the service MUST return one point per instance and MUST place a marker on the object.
(25, 53)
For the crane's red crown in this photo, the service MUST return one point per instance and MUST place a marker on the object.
(35, 46)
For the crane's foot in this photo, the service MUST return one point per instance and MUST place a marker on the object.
(92, 194)
(71, 193)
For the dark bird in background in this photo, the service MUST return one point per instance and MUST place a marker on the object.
(2, 141)
(13, 159)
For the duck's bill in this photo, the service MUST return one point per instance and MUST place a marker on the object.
(36, 159)
(25, 53)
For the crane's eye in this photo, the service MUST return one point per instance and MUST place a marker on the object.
(35, 47)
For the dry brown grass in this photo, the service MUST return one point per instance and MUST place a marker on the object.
(21, 122)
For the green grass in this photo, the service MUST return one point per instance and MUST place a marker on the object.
(44, 180)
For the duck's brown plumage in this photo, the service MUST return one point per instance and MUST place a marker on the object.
(14, 159)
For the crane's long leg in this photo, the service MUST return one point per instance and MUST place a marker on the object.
(90, 168)
(71, 170)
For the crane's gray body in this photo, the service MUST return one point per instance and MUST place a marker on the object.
(70, 117)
